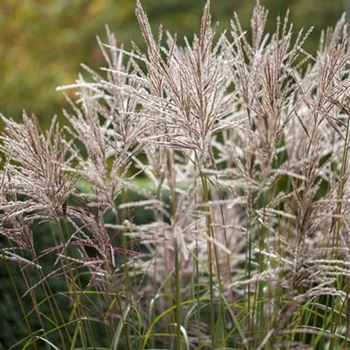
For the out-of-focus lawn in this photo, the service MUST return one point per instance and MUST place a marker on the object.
(44, 41)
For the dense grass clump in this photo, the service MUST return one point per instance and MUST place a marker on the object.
(198, 198)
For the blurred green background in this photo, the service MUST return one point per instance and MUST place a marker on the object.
(44, 41)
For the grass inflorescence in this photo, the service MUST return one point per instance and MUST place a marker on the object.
(198, 197)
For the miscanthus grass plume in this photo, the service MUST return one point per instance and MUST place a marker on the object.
(198, 197)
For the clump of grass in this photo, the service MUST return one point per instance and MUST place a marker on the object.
(242, 139)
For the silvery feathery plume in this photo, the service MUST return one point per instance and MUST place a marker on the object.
(186, 88)
(263, 75)
(92, 245)
(12, 223)
(34, 183)
(325, 85)
(290, 137)
(36, 168)
(107, 125)
(20, 238)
